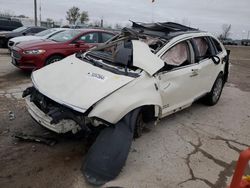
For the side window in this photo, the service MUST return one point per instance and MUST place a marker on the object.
(33, 30)
(178, 55)
(90, 38)
(106, 37)
(39, 30)
(29, 30)
(216, 45)
(203, 50)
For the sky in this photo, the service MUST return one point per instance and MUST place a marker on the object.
(207, 15)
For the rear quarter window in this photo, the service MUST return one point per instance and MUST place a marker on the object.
(217, 45)
(203, 48)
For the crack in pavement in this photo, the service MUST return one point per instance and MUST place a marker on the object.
(228, 167)
(193, 177)
(227, 141)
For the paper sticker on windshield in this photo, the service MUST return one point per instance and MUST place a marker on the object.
(97, 76)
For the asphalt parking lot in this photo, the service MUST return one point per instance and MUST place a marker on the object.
(197, 147)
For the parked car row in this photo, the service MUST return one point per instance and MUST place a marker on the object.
(229, 41)
(5, 36)
(38, 36)
(245, 42)
(9, 24)
(34, 52)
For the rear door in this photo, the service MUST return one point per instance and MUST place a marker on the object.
(204, 50)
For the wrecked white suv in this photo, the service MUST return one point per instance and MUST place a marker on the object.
(145, 73)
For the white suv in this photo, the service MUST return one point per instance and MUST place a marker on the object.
(144, 73)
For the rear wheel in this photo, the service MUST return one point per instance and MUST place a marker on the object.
(214, 95)
(107, 156)
(53, 59)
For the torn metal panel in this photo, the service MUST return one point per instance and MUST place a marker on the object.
(65, 125)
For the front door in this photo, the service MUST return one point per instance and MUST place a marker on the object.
(179, 81)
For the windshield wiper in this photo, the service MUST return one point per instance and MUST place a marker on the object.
(53, 40)
(91, 60)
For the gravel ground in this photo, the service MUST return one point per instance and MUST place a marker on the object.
(197, 147)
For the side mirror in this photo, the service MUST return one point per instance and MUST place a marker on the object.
(215, 59)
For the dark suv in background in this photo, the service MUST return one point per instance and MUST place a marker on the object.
(5, 36)
(9, 24)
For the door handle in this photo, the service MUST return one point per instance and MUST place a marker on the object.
(194, 72)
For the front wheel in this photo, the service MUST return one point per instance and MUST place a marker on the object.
(107, 156)
(214, 95)
(53, 59)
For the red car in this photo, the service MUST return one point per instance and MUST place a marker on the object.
(36, 54)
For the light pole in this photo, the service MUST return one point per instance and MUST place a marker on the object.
(35, 12)
(40, 15)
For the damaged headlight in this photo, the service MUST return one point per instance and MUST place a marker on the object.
(34, 52)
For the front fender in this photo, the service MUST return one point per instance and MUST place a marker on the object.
(140, 92)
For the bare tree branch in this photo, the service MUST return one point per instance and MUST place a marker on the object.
(225, 31)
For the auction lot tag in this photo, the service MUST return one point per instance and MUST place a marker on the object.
(97, 76)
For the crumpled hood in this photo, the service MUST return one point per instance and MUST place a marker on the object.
(77, 84)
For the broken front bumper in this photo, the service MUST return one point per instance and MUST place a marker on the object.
(61, 127)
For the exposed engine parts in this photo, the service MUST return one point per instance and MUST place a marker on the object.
(54, 110)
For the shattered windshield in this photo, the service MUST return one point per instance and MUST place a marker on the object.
(118, 52)
(119, 49)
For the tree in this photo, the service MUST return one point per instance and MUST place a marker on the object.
(73, 14)
(225, 31)
(84, 17)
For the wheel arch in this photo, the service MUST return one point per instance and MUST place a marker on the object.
(149, 112)
(139, 94)
(54, 54)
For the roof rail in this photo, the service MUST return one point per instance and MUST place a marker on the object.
(166, 27)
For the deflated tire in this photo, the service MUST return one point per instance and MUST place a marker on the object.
(108, 154)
